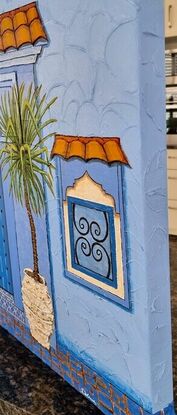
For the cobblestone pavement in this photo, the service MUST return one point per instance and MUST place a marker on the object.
(26, 382)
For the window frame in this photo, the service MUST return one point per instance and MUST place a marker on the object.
(125, 302)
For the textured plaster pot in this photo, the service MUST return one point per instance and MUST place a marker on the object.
(38, 308)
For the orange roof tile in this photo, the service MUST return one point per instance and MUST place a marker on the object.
(108, 150)
(22, 26)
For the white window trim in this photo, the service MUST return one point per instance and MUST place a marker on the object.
(8, 77)
(24, 56)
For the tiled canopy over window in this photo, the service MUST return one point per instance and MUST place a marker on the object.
(88, 148)
(19, 27)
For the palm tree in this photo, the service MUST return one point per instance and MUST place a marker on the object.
(23, 153)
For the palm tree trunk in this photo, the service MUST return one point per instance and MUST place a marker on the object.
(33, 236)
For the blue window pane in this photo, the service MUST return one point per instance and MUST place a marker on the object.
(92, 240)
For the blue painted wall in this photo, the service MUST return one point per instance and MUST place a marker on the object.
(105, 64)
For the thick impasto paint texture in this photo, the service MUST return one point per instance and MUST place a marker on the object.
(85, 283)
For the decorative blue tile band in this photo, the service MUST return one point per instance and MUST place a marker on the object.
(7, 303)
(110, 400)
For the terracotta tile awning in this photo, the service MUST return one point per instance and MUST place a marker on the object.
(19, 27)
(108, 150)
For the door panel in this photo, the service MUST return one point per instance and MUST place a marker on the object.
(6, 82)
(5, 267)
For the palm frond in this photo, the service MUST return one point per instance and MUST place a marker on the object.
(23, 153)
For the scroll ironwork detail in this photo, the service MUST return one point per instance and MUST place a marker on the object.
(92, 245)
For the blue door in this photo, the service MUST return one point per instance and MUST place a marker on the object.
(6, 82)
(5, 268)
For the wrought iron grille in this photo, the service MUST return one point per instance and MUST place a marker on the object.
(92, 239)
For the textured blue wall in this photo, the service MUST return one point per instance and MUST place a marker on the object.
(105, 64)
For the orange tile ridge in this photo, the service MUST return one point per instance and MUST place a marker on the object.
(12, 13)
(107, 149)
(21, 26)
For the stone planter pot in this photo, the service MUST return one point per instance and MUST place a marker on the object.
(38, 308)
